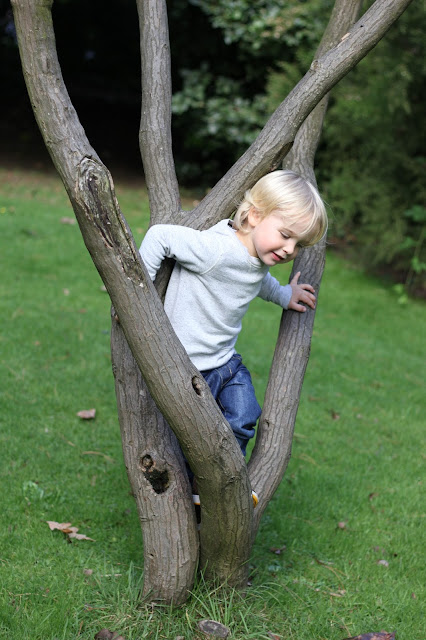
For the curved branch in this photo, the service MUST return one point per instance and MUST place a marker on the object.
(276, 426)
(277, 137)
(155, 136)
(302, 154)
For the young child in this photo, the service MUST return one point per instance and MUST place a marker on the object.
(219, 271)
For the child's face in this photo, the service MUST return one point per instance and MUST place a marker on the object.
(271, 240)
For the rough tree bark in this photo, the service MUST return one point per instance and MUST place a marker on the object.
(276, 424)
(178, 395)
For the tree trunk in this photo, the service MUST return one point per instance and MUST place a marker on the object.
(152, 456)
(276, 424)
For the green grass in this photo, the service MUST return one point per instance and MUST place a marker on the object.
(356, 459)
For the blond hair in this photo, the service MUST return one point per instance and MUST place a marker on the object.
(287, 194)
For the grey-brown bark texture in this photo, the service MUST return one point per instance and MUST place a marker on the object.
(156, 384)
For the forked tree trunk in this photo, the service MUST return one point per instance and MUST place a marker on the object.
(142, 334)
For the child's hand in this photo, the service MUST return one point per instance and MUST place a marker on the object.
(301, 293)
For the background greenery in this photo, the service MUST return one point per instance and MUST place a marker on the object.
(233, 62)
(340, 549)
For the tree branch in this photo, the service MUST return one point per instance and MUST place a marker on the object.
(276, 426)
(155, 136)
(159, 482)
(302, 154)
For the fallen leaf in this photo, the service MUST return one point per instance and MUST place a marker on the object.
(213, 628)
(273, 636)
(277, 550)
(87, 414)
(67, 529)
(384, 563)
(335, 415)
(341, 525)
(66, 292)
(58, 525)
(382, 635)
(103, 634)
(87, 572)
(66, 220)
(79, 536)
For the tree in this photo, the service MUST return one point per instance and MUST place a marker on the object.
(162, 399)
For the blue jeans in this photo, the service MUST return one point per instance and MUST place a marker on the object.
(233, 391)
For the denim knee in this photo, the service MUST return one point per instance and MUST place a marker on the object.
(233, 390)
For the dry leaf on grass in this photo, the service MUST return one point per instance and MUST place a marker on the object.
(68, 530)
(106, 634)
(382, 635)
(87, 414)
(278, 550)
(58, 525)
(384, 563)
(213, 629)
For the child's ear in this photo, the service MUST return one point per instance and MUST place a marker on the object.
(253, 217)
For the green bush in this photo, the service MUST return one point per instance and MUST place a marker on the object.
(371, 164)
(223, 53)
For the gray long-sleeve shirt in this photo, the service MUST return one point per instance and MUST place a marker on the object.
(211, 286)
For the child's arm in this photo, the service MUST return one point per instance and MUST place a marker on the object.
(187, 246)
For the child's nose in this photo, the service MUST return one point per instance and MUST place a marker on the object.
(290, 245)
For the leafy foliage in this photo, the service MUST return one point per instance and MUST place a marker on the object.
(219, 102)
(373, 157)
(270, 23)
(371, 162)
(219, 123)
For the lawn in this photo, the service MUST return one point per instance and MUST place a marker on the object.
(340, 551)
